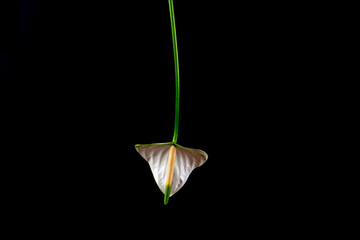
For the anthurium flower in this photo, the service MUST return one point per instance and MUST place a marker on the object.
(170, 163)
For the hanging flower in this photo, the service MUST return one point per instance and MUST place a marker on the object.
(171, 164)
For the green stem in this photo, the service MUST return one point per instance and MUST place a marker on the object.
(177, 74)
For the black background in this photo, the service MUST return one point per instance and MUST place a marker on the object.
(82, 83)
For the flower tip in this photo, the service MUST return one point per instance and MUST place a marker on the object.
(167, 194)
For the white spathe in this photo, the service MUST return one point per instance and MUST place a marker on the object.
(187, 159)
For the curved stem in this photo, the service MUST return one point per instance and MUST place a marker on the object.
(177, 74)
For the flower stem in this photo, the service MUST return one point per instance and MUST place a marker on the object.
(177, 74)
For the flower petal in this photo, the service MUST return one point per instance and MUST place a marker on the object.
(187, 159)
(156, 155)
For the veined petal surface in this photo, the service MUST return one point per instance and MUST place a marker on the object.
(187, 159)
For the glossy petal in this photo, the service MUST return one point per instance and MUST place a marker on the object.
(187, 159)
